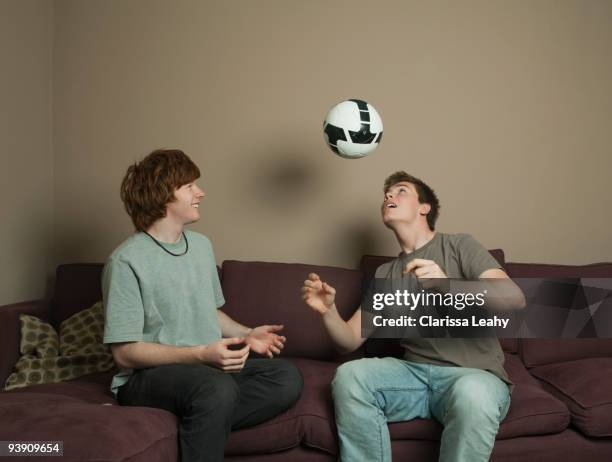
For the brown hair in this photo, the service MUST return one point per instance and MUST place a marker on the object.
(425, 193)
(149, 185)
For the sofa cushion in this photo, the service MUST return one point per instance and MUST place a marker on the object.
(585, 386)
(90, 431)
(38, 338)
(536, 352)
(77, 286)
(270, 293)
(80, 349)
(91, 388)
(10, 331)
(542, 351)
(532, 411)
(309, 422)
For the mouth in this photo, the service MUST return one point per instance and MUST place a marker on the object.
(390, 205)
(196, 205)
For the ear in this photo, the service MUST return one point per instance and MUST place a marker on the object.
(425, 209)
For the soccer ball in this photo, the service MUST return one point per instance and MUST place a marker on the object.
(353, 129)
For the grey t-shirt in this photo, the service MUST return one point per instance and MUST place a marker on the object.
(459, 256)
(152, 296)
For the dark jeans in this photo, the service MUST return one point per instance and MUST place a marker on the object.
(210, 403)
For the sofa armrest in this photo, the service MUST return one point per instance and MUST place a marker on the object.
(10, 332)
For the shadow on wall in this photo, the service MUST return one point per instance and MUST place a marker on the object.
(284, 183)
(351, 240)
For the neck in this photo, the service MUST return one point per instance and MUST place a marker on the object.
(166, 231)
(411, 237)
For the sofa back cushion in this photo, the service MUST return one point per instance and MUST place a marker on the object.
(259, 293)
(77, 286)
(536, 352)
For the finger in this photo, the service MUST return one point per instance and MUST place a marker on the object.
(316, 285)
(279, 345)
(275, 328)
(314, 277)
(237, 368)
(232, 362)
(416, 263)
(329, 289)
(275, 350)
(229, 354)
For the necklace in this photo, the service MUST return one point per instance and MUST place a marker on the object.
(166, 250)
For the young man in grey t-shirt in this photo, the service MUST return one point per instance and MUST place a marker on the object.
(175, 348)
(461, 382)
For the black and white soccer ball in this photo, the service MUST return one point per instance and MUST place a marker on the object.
(353, 129)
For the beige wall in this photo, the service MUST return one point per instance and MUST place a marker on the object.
(26, 166)
(504, 107)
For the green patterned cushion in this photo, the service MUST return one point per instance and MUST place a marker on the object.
(80, 349)
(38, 338)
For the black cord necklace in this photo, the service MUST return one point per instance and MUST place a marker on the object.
(166, 250)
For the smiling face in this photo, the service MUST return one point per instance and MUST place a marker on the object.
(401, 205)
(184, 209)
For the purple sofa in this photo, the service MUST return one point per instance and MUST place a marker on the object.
(561, 407)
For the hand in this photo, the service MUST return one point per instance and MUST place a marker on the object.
(318, 295)
(219, 355)
(265, 341)
(426, 272)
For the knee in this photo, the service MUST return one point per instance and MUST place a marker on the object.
(351, 378)
(220, 393)
(476, 399)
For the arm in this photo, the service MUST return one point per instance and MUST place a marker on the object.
(138, 355)
(320, 296)
(231, 328)
(502, 293)
(506, 294)
(262, 339)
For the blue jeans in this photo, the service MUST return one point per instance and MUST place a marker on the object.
(368, 393)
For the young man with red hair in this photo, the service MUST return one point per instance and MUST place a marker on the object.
(175, 348)
(461, 382)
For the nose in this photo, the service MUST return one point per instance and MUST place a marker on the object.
(200, 192)
(388, 195)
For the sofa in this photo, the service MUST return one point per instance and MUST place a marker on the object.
(561, 406)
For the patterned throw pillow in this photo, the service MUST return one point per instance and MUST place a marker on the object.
(38, 338)
(81, 350)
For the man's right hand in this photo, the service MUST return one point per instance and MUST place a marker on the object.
(219, 355)
(318, 295)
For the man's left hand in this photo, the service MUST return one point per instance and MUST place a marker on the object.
(265, 341)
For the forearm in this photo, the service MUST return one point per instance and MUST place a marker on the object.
(138, 355)
(499, 294)
(231, 328)
(344, 338)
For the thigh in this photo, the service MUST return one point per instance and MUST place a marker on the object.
(400, 389)
(175, 386)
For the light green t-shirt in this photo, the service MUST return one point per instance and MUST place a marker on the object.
(152, 296)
